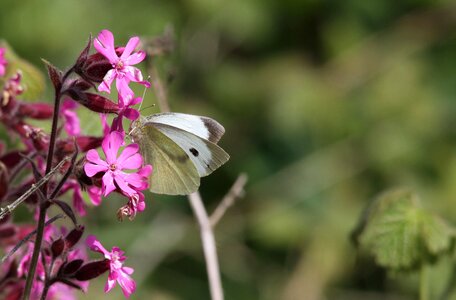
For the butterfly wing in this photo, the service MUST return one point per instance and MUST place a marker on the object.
(204, 127)
(205, 155)
(181, 148)
(174, 172)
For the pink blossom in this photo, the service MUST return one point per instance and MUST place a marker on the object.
(122, 67)
(117, 271)
(126, 111)
(94, 194)
(72, 124)
(3, 62)
(104, 124)
(78, 201)
(114, 177)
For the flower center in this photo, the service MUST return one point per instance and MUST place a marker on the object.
(119, 66)
(112, 167)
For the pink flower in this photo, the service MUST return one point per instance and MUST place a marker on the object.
(104, 124)
(126, 111)
(117, 271)
(122, 67)
(78, 202)
(94, 194)
(114, 177)
(3, 62)
(72, 124)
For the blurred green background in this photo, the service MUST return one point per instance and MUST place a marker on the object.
(325, 104)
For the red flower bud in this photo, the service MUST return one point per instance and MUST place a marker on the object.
(57, 247)
(92, 270)
(71, 267)
(74, 236)
(99, 104)
(4, 180)
(38, 111)
(96, 66)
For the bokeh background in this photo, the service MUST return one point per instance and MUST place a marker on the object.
(325, 105)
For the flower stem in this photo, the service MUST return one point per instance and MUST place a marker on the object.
(424, 282)
(36, 251)
(43, 204)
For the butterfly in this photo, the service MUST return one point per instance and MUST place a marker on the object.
(182, 148)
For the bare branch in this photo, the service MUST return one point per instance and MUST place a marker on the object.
(236, 192)
(207, 235)
(10, 207)
(210, 251)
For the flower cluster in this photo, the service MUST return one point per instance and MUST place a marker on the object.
(54, 264)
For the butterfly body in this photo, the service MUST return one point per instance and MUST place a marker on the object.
(181, 148)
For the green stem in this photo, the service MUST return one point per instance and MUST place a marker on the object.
(424, 282)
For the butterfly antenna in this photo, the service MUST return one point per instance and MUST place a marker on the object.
(144, 94)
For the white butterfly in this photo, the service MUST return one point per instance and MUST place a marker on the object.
(181, 148)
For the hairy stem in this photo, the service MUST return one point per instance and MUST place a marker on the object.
(36, 252)
(44, 204)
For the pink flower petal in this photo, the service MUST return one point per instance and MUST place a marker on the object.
(127, 152)
(109, 285)
(104, 44)
(135, 58)
(104, 124)
(131, 45)
(125, 92)
(133, 162)
(111, 145)
(128, 270)
(131, 114)
(145, 171)
(96, 246)
(108, 183)
(120, 180)
(105, 85)
(94, 195)
(135, 101)
(92, 169)
(133, 74)
(127, 284)
(93, 157)
(78, 201)
(72, 125)
(134, 179)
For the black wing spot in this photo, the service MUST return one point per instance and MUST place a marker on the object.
(194, 151)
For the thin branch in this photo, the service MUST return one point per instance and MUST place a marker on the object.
(210, 251)
(9, 208)
(21, 165)
(236, 192)
(160, 90)
(207, 235)
(28, 237)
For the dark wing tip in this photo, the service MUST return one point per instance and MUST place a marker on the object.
(216, 130)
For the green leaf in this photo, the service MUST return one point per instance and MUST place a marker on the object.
(400, 234)
(33, 79)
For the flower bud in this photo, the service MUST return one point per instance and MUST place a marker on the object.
(80, 174)
(99, 104)
(74, 236)
(39, 111)
(4, 181)
(96, 66)
(71, 267)
(92, 270)
(57, 247)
